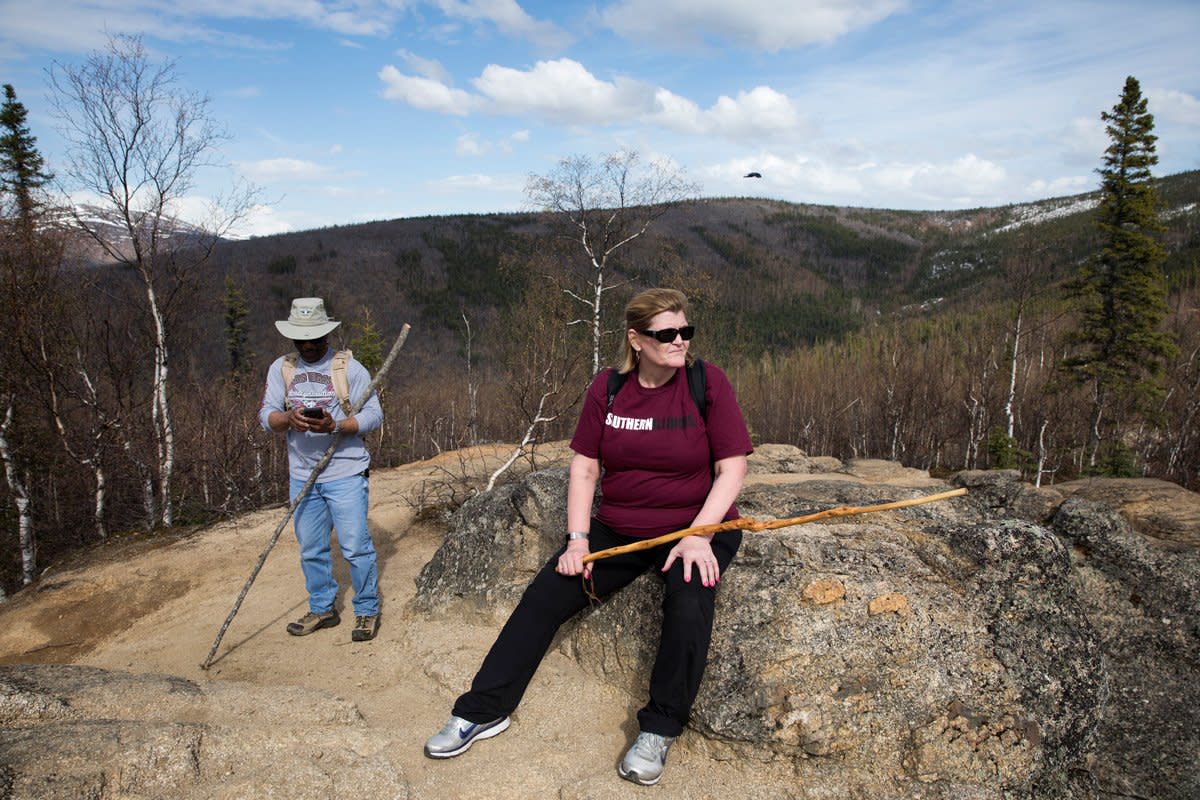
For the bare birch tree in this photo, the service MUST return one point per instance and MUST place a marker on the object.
(136, 141)
(1024, 270)
(603, 206)
(546, 365)
(20, 495)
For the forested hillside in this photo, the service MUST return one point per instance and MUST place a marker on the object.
(784, 274)
(847, 332)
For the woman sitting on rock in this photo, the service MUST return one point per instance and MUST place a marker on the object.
(670, 461)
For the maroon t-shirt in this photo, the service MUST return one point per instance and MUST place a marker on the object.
(657, 451)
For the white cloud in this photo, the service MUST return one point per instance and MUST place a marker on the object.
(1083, 140)
(261, 221)
(476, 181)
(751, 115)
(563, 90)
(1172, 105)
(76, 27)
(79, 26)
(678, 113)
(807, 177)
(770, 25)
(424, 93)
(967, 180)
(425, 67)
(761, 110)
(194, 209)
(977, 177)
(510, 19)
(90, 21)
(346, 18)
(292, 170)
(1060, 187)
(469, 145)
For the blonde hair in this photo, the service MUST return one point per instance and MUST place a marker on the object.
(639, 311)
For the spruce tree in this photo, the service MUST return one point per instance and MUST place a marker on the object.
(1121, 291)
(236, 333)
(22, 170)
(368, 344)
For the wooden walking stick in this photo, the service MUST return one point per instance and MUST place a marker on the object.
(749, 524)
(312, 478)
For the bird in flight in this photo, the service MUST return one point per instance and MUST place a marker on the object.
(752, 175)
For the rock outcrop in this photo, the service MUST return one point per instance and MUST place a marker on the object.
(69, 732)
(1013, 643)
(1004, 644)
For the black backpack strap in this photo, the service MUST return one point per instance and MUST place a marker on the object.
(616, 379)
(698, 384)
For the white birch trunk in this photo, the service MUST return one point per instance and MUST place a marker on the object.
(20, 499)
(472, 394)
(971, 452)
(96, 460)
(1041, 461)
(1094, 425)
(529, 436)
(1009, 421)
(101, 500)
(164, 432)
(596, 307)
(147, 482)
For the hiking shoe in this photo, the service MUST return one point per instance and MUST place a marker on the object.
(313, 622)
(365, 628)
(644, 761)
(459, 734)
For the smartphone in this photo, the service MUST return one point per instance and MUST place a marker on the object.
(313, 413)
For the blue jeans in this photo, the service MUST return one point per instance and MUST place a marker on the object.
(340, 504)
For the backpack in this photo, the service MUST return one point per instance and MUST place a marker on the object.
(341, 382)
(697, 384)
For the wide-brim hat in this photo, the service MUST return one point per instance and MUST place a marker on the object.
(307, 320)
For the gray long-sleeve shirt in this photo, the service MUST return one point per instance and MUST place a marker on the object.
(312, 387)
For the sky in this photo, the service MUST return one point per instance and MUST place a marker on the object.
(349, 111)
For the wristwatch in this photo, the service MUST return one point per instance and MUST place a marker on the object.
(573, 535)
(337, 427)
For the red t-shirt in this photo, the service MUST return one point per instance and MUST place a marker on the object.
(657, 451)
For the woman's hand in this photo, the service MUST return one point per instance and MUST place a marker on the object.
(571, 561)
(695, 550)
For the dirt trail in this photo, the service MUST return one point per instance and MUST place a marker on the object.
(156, 608)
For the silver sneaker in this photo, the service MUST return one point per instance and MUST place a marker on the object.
(645, 759)
(459, 734)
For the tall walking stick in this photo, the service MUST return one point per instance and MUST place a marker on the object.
(749, 524)
(312, 478)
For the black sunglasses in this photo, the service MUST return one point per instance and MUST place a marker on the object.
(667, 335)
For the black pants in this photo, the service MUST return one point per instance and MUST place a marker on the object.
(551, 599)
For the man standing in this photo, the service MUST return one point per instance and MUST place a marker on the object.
(309, 399)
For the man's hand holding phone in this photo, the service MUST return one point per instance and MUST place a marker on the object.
(314, 420)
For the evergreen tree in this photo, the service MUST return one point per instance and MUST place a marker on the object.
(21, 165)
(26, 286)
(235, 330)
(368, 344)
(1121, 291)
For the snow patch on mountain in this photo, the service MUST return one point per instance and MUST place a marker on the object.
(1037, 213)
